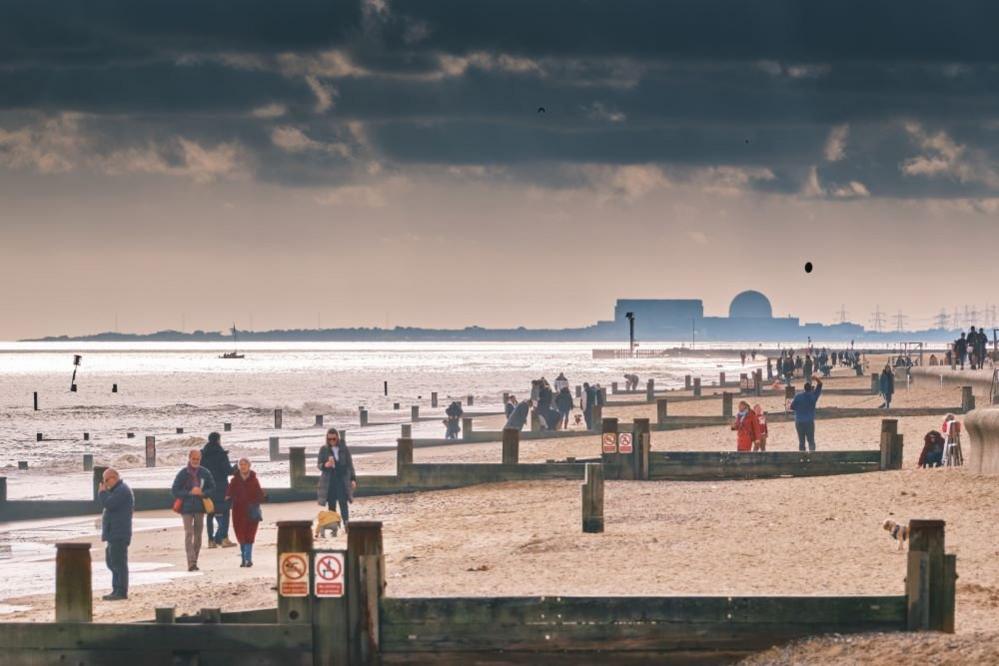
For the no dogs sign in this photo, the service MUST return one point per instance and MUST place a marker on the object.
(293, 575)
(329, 574)
(624, 442)
(610, 442)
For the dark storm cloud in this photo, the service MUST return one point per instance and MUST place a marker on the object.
(313, 92)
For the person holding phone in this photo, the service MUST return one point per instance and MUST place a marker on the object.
(338, 480)
(191, 486)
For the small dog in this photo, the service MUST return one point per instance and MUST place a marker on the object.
(327, 520)
(897, 531)
(579, 418)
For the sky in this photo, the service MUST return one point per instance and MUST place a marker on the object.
(443, 163)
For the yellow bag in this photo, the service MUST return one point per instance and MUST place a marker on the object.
(209, 505)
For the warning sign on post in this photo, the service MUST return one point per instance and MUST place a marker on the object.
(624, 442)
(329, 574)
(610, 442)
(293, 575)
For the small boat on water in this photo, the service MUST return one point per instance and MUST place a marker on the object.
(235, 350)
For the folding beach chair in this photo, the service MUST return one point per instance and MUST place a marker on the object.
(953, 456)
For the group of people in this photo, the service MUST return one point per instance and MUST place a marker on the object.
(790, 365)
(552, 404)
(934, 453)
(452, 424)
(750, 424)
(202, 489)
(971, 347)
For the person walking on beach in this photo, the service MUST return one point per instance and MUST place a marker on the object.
(192, 487)
(245, 495)
(886, 385)
(803, 406)
(561, 382)
(961, 349)
(518, 417)
(807, 367)
(761, 416)
(747, 428)
(453, 423)
(118, 502)
(586, 404)
(511, 404)
(563, 402)
(216, 460)
(338, 480)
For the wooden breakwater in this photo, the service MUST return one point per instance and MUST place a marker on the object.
(333, 609)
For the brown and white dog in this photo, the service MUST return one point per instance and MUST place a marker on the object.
(327, 520)
(897, 531)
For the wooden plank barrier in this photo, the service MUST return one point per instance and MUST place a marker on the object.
(717, 465)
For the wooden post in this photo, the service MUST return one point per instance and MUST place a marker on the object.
(365, 585)
(967, 399)
(278, 419)
(927, 583)
(343, 436)
(294, 536)
(385, 387)
(114, 388)
(758, 382)
(721, 379)
(770, 369)
(88, 462)
(579, 391)
(36, 401)
(86, 436)
(396, 405)
(613, 388)
(470, 400)
(726, 404)
(697, 386)
(789, 392)
(592, 492)
(744, 386)
(22, 464)
(414, 413)
(603, 396)
(74, 598)
(875, 383)
(330, 637)
(363, 416)
(210, 615)
(296, 465)
(320, 420)
(466, 427)
(166, 614)
(661, 410)
(687, 382)
(227, 427)
(130, 435)
(38, 437)
(637, 469)
(150, 451)
(650, 391)
(403, 453)
(597, 416)
(511, 446)
(406, 430)
(643, 448)
(433, 399)
(274, 448)
(97, 478)
(180, 431)
(889, 429)
(3, 489)
(535, 421)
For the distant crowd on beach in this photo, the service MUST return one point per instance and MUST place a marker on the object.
(970, 348)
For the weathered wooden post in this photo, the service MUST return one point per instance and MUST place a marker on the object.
(343, 436)
(470, 401)
(274, 448)
(88, 462)
(320, 420)
(166, 614)
(74, 598)
(758, 382)
(365, 586)
(726, 403)
(661, 410)
(721, 379)
(633, 465)
(414, 413)
(592, 492)
(39, 437)
(36, 401)
(687, 382)
(363, 416)
(930, 578)
(770, 369)
(603, 396)
(294, 544)
(150, 451)
(278, 419)
(396, 405)
(180, 431)
(789, 392)
(466, 427)
(967, 399)
(650, 391)
(875, 383)
(227, 427)
(130, 435)
(433, 399)
(97, 479)
(613, 388)
(511, 446)
(406, 430)
(3, 489)
(210, 615)
(296, 465)
(385, 387)
(403, 453)
(889, 429)
(697, 386)
(597, 416)
(330, 637)
(86, 436)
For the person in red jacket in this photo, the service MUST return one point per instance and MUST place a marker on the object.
(245, 494)
(747, 425)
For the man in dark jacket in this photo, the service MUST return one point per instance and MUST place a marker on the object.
(192, 486)
(117, 501)
(961, 349)
(216, 460)
(338, 480)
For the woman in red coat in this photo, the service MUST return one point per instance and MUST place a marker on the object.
(246, 495)
(747, 425)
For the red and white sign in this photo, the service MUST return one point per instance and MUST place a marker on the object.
(624, 442)
(610, 442)
(293, 575)
(329, 574)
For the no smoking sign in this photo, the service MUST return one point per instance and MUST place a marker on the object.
(329, 574)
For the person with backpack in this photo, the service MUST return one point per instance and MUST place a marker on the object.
(216, 460)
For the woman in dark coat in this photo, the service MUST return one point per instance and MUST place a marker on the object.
(564, 403)
(338, 480)
(245, 495)
(886, 384)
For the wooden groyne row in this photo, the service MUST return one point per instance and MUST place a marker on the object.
(333, 608)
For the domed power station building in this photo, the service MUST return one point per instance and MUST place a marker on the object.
(750, 317)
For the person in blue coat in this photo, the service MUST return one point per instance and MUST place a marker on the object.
(191, 487)
(886, 385)
(803, 406)
(118, 503)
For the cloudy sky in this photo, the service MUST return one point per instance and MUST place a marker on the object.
(199, 162)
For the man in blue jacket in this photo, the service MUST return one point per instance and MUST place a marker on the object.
(803, 406)
(117, 501)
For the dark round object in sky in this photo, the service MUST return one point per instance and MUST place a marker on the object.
(541, 109)
(808, 267)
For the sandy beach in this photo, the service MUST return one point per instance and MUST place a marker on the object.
(817, 535)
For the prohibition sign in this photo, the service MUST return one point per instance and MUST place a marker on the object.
(293, 575)
(624, 442)
(610, 442)
(329, 575)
